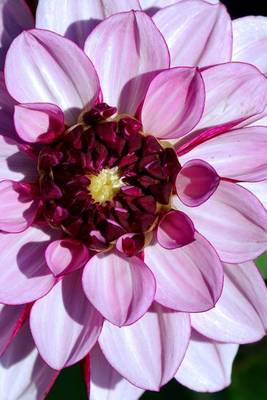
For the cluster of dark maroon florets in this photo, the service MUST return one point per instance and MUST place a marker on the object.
(147, 170)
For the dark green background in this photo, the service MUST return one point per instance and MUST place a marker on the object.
(249, 380)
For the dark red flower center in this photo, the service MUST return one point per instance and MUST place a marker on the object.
(103, 178)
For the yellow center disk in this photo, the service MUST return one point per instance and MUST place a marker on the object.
(104, 186)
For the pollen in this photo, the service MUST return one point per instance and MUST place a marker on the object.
(104, 186)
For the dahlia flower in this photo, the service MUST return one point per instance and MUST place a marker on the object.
(132, 157)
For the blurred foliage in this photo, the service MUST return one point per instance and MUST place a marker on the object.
(262, 264)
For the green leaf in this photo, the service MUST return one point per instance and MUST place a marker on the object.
(261, 263)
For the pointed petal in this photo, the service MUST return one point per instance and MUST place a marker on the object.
(38, 122)
(175, 230)
(132, 47)
(212, 44)
(239, 154)
(234, 92)
(121, 288)
(250, 41)
(66, 255)
(148, 352)
(23, 374)
(18, 207)
(189, 278)
(24, 275)
(6, 110)
(50, 73)
(11, 319)
(64, 336)
(106, 383)
(15, 16)
(240, 315)
(233, 221)
(15, 164)
(174, 103)
(259, 189)
(75, 20)
(196, 182)
(207, 365)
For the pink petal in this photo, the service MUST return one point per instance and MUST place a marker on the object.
(196, 182)
(174, 103)
(24, 275)
(15, 16)
(130, 244)
(250, 41)
(15, 163)
(152, 6)
(6, 110)
(212, 44)
(11, 319)
(106, 383)
(23, 374)
(121, 288)
(132, 47)
(148, 352)
(239, 154)
(50, 73)
(233, 220)
(207, 365)
(64, 336)
(175, 230)
(234, 92)
(75, 20)
(66, 255)
(156, 3)
(17, 206)
(189, 278)
(240, 315)
(259, 189)
(38, 122)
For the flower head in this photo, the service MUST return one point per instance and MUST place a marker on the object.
(122, 211)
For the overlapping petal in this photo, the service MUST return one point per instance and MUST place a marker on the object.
(175, 230)
(196, 182)
(259, 189)
(50, 73)
(109, 385)
(11, 319)
(66, 255)
(233, 220)
(240, 315)
(64, 336)
(213, 42)
(239, 154)
(174, 103)
(75, 20)
(39, 122)
(121, 288)
(132, 48)
(15, 16)
(23, 373)
(234, 92)
(6, 110)
(189, 278)
(24, 275)
(18, 207)
(15, 163)
(207, 365)
(158, 342)
(250, 41)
